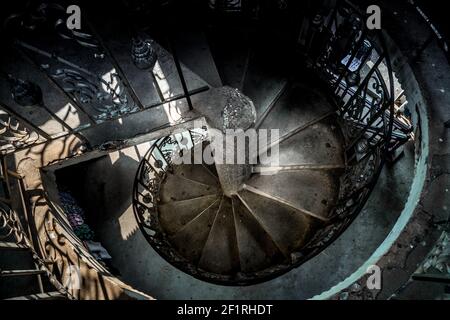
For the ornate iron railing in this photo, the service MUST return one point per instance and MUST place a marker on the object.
(13, 235)
(152, 170)
(354, 63)
(13, 134)
(94, 94)
(151, 173)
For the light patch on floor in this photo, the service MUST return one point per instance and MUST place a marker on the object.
(69, 114)
(114, 156)
(111, 78)
(136, 153)
(171, 109)
(143, 148)
(127, 223)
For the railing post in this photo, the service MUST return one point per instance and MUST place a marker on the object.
(180, 73)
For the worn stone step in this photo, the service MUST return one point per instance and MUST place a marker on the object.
(20, 273)
(175, 188)
(296, 107)
(257, 249)
(288, 228)
(175, 215)
(193, 50)
(190, 240)
(196, 172)
(220, 254)
(12, 246)
(313, 191)
(320, 144)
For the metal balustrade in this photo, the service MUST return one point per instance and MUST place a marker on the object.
(92, 95)
(15, 237)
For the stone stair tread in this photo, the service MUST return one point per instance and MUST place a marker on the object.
(190, 240)
(320, 144)
(176, 189)
(229, 62)
(262, 92)
(211, 168)
(287, 227)
(193, 50)
(312, 190)
(14, 258)
(294, 108)
(195, 172)
(220, 254)
(257, 250)
(175, 215)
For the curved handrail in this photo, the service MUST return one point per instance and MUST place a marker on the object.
(10, 222)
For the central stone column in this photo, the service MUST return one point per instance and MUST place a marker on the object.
(232, 159)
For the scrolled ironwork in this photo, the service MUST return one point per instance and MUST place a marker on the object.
(150, 175)
(12, 230)
(355, 64)
(108, 98)
(13, 135)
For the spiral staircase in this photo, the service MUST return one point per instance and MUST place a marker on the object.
(342, 99)
(274, 213)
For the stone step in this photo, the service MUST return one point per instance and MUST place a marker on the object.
(194, 52)
(220, 254)
(195, 172)
(12, 246)
(211, 168)
(296, 107)
(320, 144)
(175, 215)
(285, 202)
(288, 228)
(310, 191)
(266, 98)
(257, 249)
(190, 240)
(175, 188)
(231, 64)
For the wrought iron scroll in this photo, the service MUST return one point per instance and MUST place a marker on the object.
(12, 230)
(14, 134)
